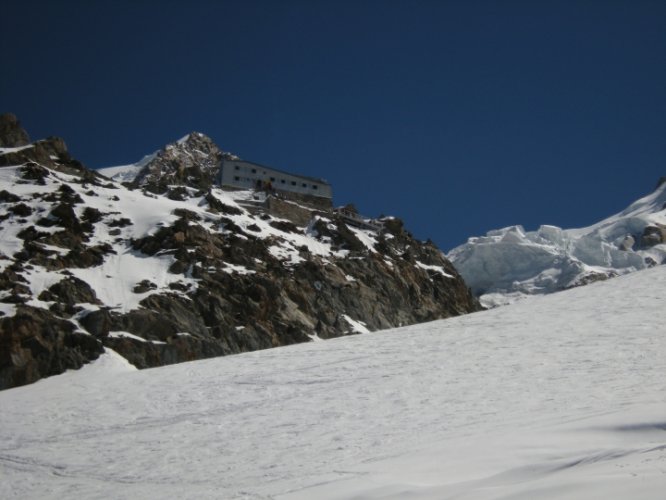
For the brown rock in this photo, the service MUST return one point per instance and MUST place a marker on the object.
(35, 344)
(653, 235)
(12, 134)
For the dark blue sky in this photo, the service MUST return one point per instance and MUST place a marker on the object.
(457, 116)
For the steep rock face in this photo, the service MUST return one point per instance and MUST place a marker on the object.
(35, 344)
(87, 263)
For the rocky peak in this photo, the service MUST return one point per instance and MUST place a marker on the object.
(193, 161)
(12, 134)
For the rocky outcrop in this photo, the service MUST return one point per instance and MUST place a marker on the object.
(401, 282)
(12, 134)
(50, 152)
(193, 161)
(653, 234)
(34, 343)
(194, 271)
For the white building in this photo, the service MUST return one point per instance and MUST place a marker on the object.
(242, 174)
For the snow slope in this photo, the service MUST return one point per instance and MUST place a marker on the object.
(127, 173)
(559, 396)
(509, 263)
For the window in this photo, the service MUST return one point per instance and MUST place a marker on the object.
(236, 178)
(314, 186)
(272, 179)
(254, 170)
(282, 181)
(305, 185)
(293, 183)
(236, 167)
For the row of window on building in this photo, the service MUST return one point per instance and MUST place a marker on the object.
(273, 180)
(282, 181)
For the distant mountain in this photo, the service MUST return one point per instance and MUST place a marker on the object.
(167, 267)
(511, 262)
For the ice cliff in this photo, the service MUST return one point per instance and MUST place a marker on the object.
(508, 263)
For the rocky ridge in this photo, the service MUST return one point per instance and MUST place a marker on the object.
(166, 267)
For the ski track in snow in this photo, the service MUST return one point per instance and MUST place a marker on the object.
(559, 396)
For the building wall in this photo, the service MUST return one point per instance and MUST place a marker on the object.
(244, 174)
(296, 213)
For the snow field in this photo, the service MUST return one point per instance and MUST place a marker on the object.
(559, 396)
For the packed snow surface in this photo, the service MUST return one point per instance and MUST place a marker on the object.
(558, 396)
(509, 263)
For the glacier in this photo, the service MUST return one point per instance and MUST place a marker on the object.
(510, 263)
(554, 397)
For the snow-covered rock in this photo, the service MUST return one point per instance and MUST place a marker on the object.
(509, 263)
(193, 270)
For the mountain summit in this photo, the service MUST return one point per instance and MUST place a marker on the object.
(194, 161)
(168, 267)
